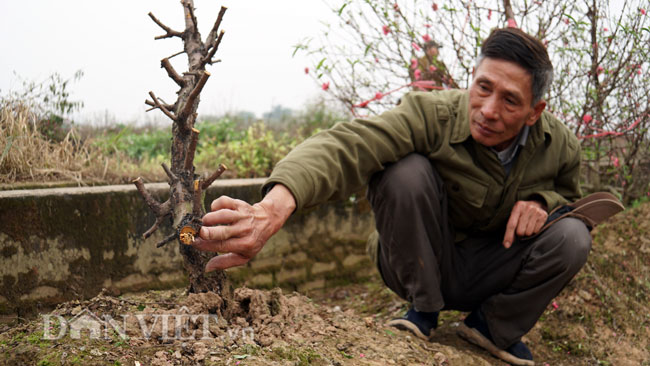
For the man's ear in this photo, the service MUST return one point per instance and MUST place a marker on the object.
(537, 111)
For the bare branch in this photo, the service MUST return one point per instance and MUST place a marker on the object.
(170, 32)
(508, 10)
(196, 204)
(176, 54)
(187, 108)
(153, 229)
(152, 104)
(161, 107)
(191, 149)
(153, 204)
(168, 239)
(165, 64)
(213, 50)
(206, 183)
(212, 36)
(169, 173)
(214, 61)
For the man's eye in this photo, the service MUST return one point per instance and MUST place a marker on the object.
(511, 101)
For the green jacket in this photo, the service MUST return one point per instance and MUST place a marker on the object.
(335, 163)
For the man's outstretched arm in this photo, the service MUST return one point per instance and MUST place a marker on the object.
(238, 230)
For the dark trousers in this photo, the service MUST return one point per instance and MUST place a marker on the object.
(420, 262)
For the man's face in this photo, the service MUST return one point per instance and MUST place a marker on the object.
(500, 103)
(432, 51)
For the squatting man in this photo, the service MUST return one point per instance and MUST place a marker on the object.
(460, 183)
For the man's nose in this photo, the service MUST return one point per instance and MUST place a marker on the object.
(490, 108)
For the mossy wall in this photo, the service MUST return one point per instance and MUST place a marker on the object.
(69, 243)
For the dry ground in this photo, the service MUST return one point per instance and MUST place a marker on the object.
(601, 318)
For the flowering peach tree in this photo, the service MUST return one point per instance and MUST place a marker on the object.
(600, 52)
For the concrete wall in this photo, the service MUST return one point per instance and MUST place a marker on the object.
(69, 243)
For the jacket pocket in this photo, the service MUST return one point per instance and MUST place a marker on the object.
(468, 190)
(467, 198)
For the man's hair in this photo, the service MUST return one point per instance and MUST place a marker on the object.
(512, 44)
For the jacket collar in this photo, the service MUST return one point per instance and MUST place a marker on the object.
(539, 132)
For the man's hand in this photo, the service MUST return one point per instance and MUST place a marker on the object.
(240, 230)
(526, 218)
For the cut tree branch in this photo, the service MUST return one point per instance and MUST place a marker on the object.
(212, 36)
(153, 105)
(206, 183)
(165, 64)
(170, 174)
(153, 204)
(170, 32)
(213, 50)
(187, 108)
(191, 149)
(162, 107)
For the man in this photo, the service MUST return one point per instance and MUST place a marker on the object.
(431, 68)
(460, 183)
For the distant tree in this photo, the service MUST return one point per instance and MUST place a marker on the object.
(277, 114)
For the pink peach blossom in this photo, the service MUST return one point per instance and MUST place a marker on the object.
(378, 95)
(432, 68)
(434, 7)
(426, 38)
(418, 74)
(415, 46)
(306, 70)
(414, 63)
(512, 23)
(385, 29)
(489, 14)
(587, 118)
(642, 11)
(326, 86)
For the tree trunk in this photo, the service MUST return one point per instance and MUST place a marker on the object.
(187, 189)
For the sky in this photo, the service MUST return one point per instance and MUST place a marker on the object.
(112, 42)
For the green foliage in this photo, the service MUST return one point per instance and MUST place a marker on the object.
(138, 145)
(254, 155)
(248, 150)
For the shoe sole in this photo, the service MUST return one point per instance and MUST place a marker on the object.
(475, 337)
(404, 324)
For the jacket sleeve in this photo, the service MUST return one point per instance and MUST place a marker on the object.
(337, 162)
(567, 182)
